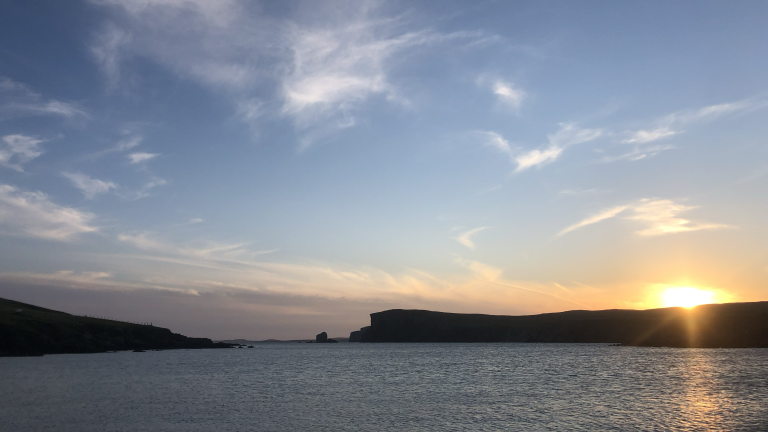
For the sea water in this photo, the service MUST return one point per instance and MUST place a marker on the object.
(389, 387)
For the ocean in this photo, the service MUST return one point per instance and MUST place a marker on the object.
(389, 387)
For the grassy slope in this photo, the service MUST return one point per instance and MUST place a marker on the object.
(735, 325)
(30, 330)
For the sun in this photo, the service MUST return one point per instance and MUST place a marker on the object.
(687, 297)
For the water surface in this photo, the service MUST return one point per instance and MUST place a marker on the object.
(389, 387)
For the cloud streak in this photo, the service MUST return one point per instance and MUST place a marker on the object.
(33, 214)
(466, 238)
(660, 217)
(90, 187)
(16, 99)
(17, 150)
(506, 92)
(568, 135)
(136, 158)
(643, 141)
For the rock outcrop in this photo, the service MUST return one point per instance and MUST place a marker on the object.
(323, 338)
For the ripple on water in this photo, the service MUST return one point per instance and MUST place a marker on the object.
(377, 387)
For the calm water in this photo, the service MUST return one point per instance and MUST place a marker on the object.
(396, 387)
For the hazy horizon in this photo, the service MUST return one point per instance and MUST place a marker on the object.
(256, 169)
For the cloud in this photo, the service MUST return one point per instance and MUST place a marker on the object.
(645, 136)
(145, 190)
(639, 152)
(466, 238)
(507, 93)
(316, 72)
(107, 50)
(18, 150)
(537, 157)
(121, 146)
(576, 192)
(600, 216)
(89, 186)
(660, 216)
(141, 157)
(712, 112)
(128, 143)
(32, 214)
(231, 252)
(643, 140)
(568, 135)
(483, 271)
(498, 142)
(16, 99)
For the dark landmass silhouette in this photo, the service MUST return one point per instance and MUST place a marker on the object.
(323, 338)
(269, 341)
(31, 330)
(729, 325)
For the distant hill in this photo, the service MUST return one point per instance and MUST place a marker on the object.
(251, 342)
(730, 325)
(31, 330)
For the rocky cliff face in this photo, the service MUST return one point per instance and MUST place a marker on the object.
(357, 336)
(732, 325)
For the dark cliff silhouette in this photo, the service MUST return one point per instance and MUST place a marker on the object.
(323, 338)
(730, 325)
(31, 330)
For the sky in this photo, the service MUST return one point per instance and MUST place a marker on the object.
(274, 169)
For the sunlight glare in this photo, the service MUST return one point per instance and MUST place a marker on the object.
(687, 297)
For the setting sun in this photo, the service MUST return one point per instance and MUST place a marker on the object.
(687, 297)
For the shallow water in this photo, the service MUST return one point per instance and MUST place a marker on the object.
(397, 387)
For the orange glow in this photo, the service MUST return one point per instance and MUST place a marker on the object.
(687, 297)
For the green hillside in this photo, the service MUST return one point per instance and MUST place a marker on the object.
(31, 330)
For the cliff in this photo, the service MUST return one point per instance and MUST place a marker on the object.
(30, 330)
(730, 325)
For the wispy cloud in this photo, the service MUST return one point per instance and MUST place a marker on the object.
(568, 135)
(466, 237)
(639, 152)
(145, 190)
(135, 158)
(712, 112)
(88, 185)
(495, 140)
(483, 271)
(600, 216)
(33, 214)
(660, 216)
(108, 51)
(577, 192)
(16, 99)
(643, 141)
(233, 252)
(506, 92)
(646, 136)
(324, 70)
(17, 150)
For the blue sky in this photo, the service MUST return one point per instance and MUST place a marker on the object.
(277, 169)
